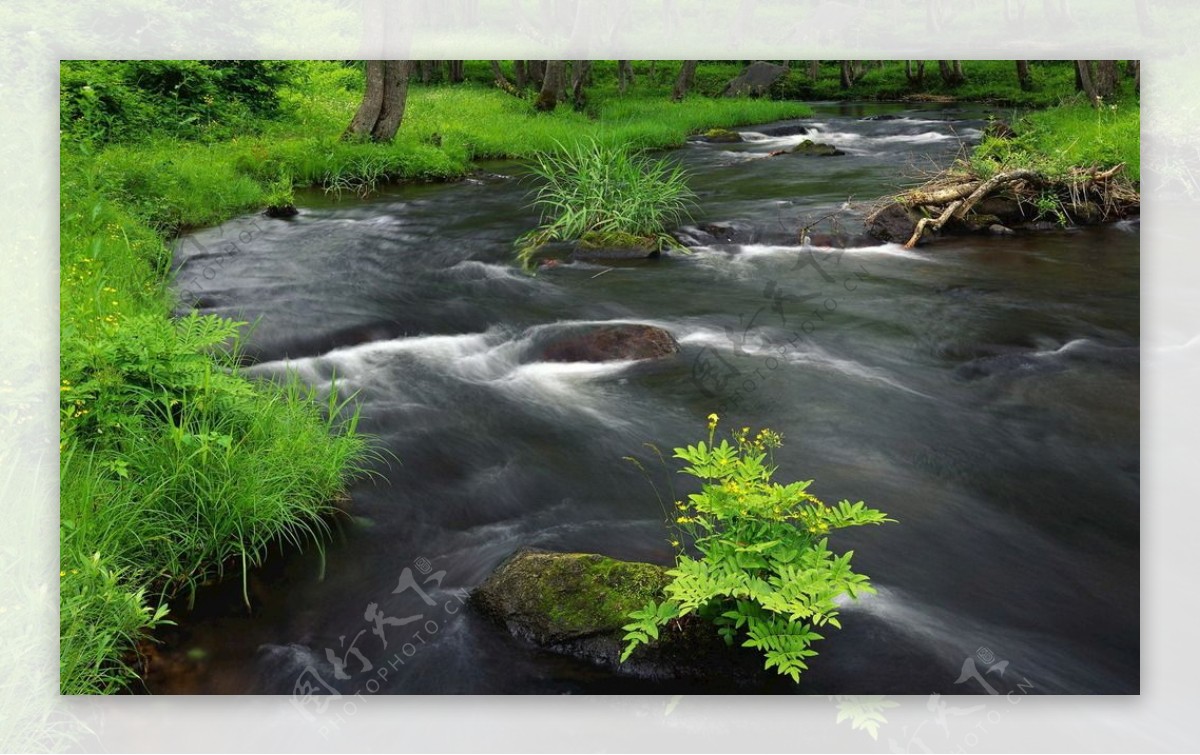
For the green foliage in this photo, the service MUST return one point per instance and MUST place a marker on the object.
(765, 573)
(986, 80)
(607, 193)
(124, 100)
(1072, 135)
(100, 618)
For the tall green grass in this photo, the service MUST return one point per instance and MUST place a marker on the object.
(1073, 135)
(606, 193)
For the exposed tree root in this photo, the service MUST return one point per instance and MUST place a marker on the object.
(1084, 195)
(973, 192)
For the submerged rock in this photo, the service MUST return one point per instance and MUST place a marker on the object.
(784, 129)
(754, 80)
(721, 136)
(577, 603)
(815, 149)
(281, 211)
(611, 343)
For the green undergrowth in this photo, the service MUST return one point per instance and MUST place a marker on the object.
(176, 470)
(1071, 136)
(993, 81)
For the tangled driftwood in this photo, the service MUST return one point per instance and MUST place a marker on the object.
(1092, 194)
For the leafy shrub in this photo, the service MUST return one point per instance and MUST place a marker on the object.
(100, 619)
(765, 571)
(600, 191)
(126, 100)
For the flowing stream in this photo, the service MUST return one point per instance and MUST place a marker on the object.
(981, 390)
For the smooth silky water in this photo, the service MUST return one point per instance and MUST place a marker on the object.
(983, 391)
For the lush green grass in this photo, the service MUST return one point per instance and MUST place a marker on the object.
(173, 467)
(1072, 135)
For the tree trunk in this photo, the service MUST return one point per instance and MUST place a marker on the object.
(552, 84)
(624, 75)
(847, 74)
(687, 74)
(1023, 75)
(1106, 78)
(582, 69)
(454, 70)
(919, 78)
(382, 108)
(426, 67)
(500, 79)
(367, 114)
(951, 72)
(1083, 70)
(814, 70)
(521, 74)
(395, 94)
(537, 73)
(1137, 75)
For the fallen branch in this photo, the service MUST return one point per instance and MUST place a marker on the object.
(919, 198)
(965, 197)
(937, 224)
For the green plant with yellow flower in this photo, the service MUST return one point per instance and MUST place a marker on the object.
(765, 574)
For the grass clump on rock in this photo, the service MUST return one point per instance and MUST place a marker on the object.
(605, 195)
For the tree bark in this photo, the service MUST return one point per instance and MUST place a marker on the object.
(683, 82)
(395, 94)
(363, 122)
(624, 75)
(454, 71)
(582, 69)
(521, 74)
(951, 72)
(1083, 70)
(1023, 75)
(1106, 78)
(919, 78)
(499, 77)
(552, 84)
(814, 70)
(382, 107)
(537, 73)
(847, 74)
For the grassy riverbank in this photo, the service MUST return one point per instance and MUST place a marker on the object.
(175, 469)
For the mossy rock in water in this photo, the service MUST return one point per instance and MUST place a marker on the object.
(576, 604)
(551, 598)
(616, 246)
(815, 149)
(722, 136)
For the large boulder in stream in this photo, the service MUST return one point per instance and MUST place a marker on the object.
(892, 222)
(754, 80)
(612, 343)
(576, 603)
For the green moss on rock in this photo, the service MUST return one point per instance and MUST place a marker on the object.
(617, 240)
(722, 135)
(550, 598)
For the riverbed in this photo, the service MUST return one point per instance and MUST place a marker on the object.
(983, 391)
